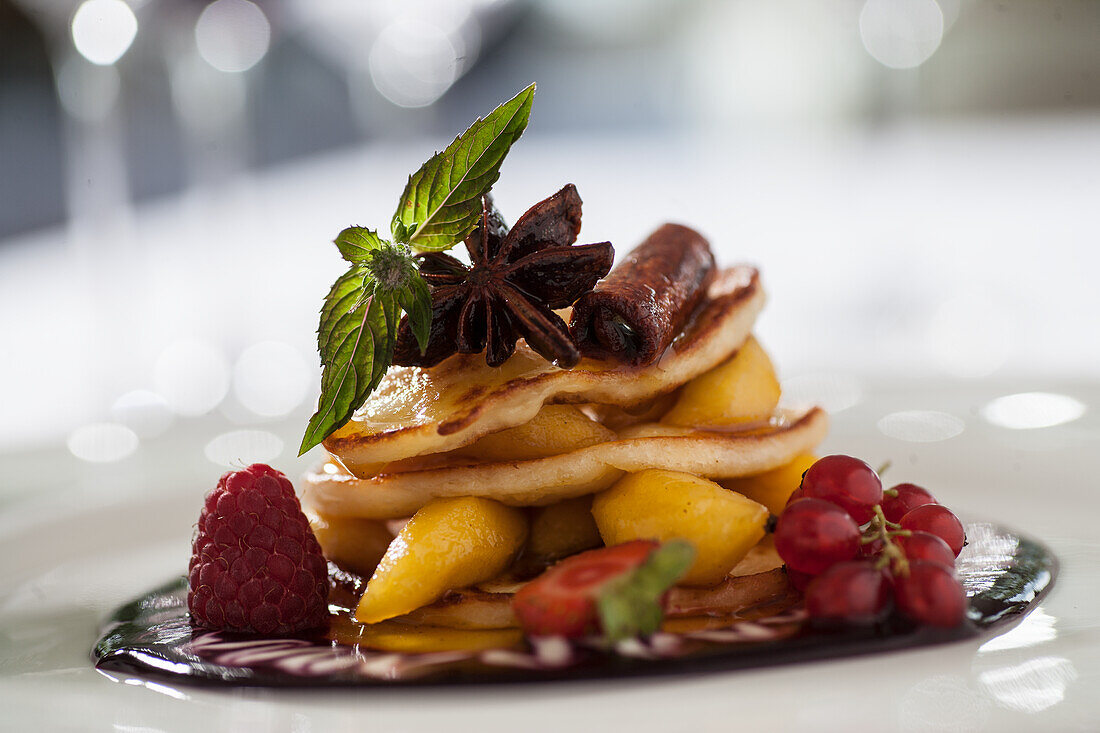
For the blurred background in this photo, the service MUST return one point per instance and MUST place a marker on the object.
(918, 179)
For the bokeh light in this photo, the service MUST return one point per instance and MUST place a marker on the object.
(413, 64)
(103, 30)
(232, 35)
(270, 378)
(901, 34)
(921, 426)
(102, 442)
(1030, 410)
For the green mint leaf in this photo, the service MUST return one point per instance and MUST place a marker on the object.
(631, 606)
(356, 340)
(440, 206)
(441, 203)
(358, 328)
(357, 243)
(416, 301)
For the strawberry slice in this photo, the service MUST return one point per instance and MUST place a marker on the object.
(618, 590)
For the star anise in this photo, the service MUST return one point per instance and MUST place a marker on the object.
(515, 281)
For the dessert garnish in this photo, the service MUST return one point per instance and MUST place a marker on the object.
(853, 560)
(515, 281)
(449, 543)
(440, 206)
(255, 565)
(636, 312)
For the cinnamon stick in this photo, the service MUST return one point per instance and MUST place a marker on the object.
(634, 313)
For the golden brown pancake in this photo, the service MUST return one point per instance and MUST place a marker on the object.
(332, 491)
(418, 411)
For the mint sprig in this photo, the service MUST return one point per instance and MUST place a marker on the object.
(442, 201)
(631, 606)
(439, 208)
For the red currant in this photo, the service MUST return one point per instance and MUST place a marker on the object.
(847, 482)
(853, 592)
(930, 594)
(926, 546)
(905, 497)
(795, 496)
(801, 581)
(940, 521)
(811, 535)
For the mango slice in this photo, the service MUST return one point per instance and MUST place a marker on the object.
(449, 543)
(740, 390)
(556, 429)
(354, 543)
(394, 637)
(561, 530)
(773, 488)
(665, 505)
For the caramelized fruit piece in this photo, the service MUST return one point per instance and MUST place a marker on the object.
(556, 429)
(561, 530)
(449, 543)
(742, 389)
(773, 488)
(467, 608)
(618, 418)
(350, 542)
(665, 505)
(394, 637)
(735, 594)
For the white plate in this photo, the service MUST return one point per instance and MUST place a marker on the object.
(68, 558)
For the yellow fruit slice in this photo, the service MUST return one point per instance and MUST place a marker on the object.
(449, 543)
(561, 530)
(740, 390)
(773, 488)
(394, 637)
(353, 543)
(665, 505)
(556, 429)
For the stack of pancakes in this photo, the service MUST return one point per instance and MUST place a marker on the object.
(409, 443)
(430, 433)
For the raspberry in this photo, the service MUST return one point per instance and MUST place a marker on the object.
(255, 565)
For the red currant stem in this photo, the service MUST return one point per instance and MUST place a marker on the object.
(884, 467)
(897, 557)
(879, 522)
(883, 529)
(889, 493)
